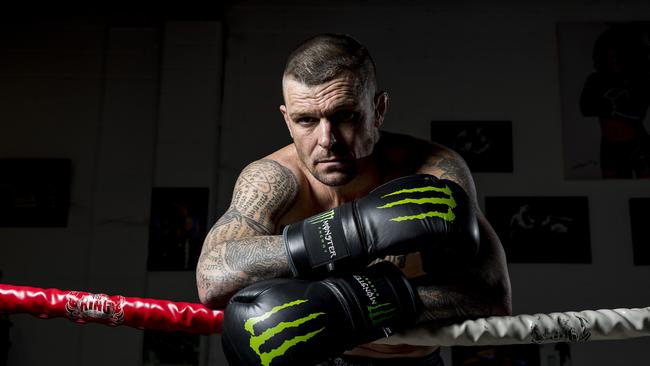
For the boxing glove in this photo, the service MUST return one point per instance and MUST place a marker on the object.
(300, 322)
(404, 215)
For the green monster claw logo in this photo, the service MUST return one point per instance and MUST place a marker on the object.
(380, 313)
(328, 215)
(449, 201)
(322, 221)
(257, 341)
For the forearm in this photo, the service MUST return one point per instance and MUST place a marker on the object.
(450, 303)
(228, 266)
(478, 288)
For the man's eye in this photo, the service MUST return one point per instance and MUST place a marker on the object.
(347, 117)
(306, 120)
(353, 116)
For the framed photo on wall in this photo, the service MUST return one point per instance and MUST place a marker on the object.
(34, 192)
(542, 229)
(605, 93)
(551, 354)
(516, 354)
(177, 228)
(639, 220)
(486, 146)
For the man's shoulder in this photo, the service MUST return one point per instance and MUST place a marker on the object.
(276, 169)
(288, 167)
(268, 188)
(285, 159)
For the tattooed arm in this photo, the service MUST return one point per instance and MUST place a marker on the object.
(241, 247)
(480, 287)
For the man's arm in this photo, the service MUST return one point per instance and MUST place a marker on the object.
(480, 287)
(241, 247)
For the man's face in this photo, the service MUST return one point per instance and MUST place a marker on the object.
(333, 125)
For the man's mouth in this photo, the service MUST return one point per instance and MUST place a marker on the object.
(330, 161)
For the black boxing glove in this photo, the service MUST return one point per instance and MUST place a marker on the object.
(416, 212)
(300, 322)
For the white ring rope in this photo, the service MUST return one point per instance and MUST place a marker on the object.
(587, 325)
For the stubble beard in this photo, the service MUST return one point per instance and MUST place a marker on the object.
(329, 177)
(336, 177)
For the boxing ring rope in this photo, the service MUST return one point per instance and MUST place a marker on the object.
(83, 307)
(571, 326)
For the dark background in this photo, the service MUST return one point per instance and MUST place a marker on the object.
(186, 97)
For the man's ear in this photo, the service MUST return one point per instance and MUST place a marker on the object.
(287, 121)
(381, 107)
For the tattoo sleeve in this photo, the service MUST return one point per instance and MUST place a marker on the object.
(242, 248)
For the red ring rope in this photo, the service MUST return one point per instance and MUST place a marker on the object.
(85, 307)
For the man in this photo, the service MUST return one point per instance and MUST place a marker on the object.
(334, 113)
(618, 94)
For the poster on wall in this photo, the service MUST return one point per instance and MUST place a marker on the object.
(170, 349)
(34, 192)
(604, 71)
(486, 146)
(551, 354)
(542, 229)
(639, 219)
(5, 332)
(177, 228)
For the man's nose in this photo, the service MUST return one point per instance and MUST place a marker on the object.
(326, 134)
